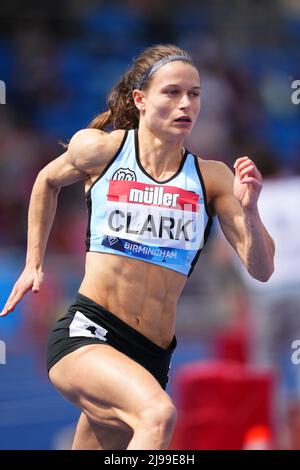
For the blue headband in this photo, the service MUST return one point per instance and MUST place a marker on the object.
(158, 64)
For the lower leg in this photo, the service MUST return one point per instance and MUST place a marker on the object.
(84, 438)
(91, 436)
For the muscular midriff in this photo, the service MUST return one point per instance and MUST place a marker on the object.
(141, 294)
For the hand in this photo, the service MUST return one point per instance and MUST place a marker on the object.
(30, 279)
(247, 183)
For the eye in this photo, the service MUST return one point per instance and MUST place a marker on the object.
(195, 93)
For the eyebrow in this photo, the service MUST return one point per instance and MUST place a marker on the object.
(178, 86)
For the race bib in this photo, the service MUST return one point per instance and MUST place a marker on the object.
(154, 215)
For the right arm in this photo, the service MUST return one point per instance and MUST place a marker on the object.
(87, 152)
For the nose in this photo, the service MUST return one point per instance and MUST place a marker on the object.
(184, 102)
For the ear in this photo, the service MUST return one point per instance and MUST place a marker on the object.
(139, 99)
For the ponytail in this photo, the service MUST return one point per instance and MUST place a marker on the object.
(122, 112)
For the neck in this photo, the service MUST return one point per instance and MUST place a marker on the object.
(159, 156)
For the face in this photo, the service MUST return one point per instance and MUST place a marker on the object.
(171, 103)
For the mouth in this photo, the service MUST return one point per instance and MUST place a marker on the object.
(184, 120)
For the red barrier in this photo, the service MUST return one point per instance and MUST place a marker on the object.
(221, 405)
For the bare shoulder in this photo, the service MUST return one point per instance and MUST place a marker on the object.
(217, 177)
(218, 180)
(91, 149)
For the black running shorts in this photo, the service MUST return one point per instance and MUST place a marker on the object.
(87, 322)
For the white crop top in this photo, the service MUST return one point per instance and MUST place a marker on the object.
(133, 215)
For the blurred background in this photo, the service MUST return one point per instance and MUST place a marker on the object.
(235, 374)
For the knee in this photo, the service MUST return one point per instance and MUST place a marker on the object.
(160, 417)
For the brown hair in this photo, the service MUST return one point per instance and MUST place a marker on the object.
(122, 112)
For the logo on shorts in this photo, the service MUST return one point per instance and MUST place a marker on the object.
(124, 174)
(83, 326)
(92, 329)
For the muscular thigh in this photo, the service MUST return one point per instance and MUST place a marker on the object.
(112, 389)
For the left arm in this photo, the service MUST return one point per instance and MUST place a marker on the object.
(235, 203)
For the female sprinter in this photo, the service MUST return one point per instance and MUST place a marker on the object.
(150, 208)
